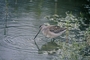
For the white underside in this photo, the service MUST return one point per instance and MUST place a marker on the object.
(52, 34)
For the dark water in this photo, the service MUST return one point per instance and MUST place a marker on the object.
(23, 20)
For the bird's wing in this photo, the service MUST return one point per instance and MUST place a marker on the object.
(56, 29)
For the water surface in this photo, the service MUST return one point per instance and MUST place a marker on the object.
(23, 21)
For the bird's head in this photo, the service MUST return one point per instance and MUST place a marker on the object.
(44, 25)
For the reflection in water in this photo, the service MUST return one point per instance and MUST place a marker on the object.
(49, 46)
(24, 19)
(23, 43)
(20, 47)
(6, 16)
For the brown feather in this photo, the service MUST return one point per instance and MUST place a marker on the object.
(56, 29)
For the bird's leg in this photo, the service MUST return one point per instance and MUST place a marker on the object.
(46, 39)
(53, 39)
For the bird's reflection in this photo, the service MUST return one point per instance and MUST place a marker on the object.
(49, 48)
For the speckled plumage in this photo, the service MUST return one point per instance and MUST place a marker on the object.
(52, 31)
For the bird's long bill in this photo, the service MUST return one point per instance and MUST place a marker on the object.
(37, 33)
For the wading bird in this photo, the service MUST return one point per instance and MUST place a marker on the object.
(51, 31)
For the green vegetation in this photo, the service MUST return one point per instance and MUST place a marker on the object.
(77, 42)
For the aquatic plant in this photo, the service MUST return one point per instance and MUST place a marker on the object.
(76, 40)
(6, 17)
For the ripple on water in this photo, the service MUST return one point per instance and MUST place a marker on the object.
(23, 43)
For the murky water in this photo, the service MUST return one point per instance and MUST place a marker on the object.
(23, 21)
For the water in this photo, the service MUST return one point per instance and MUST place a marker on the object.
(23, 21)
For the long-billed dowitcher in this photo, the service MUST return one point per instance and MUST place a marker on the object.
(51, 31)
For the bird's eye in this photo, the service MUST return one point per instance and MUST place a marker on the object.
(45, 25)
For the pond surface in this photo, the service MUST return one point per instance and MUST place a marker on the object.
(23, 21)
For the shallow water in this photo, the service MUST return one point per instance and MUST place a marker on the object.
(23, 21)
